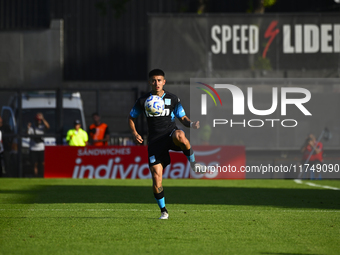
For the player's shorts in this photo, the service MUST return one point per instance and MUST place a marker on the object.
(158, 151)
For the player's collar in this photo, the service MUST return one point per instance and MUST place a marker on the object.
(161, 96)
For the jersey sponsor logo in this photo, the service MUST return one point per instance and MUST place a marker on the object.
(166, 112)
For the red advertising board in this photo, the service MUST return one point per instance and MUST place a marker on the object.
(131, 162)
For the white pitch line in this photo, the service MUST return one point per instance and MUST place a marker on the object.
(298, 181)
(147, 210)
(315, 185)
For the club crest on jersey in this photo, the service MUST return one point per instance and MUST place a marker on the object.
(167, 101)
(166, 112)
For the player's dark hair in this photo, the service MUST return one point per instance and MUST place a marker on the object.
(95, 114)
(156, 72)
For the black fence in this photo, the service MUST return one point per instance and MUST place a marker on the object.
(16, 116)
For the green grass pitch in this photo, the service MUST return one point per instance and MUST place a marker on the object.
(66, 216)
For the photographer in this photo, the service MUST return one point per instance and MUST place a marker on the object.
(315, 158)
(37, 146)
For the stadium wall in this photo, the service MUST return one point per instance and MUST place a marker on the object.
(32, 58)
(245, 46)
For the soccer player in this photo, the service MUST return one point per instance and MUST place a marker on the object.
(163, 134)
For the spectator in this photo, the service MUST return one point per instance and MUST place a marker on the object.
(37, 146)
(77, 136)
(316, 157)
(6, 146)
(99, 133)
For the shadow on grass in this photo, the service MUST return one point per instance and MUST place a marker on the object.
(283, 253)
(286, 198)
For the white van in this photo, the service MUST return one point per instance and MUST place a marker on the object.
(44, 102)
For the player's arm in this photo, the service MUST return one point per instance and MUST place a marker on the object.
(180, 114)
(317, 148)
(188, 123)
(134, 113)
(136, 137)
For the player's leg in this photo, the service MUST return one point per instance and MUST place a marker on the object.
(157, 176)
(180, 140)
